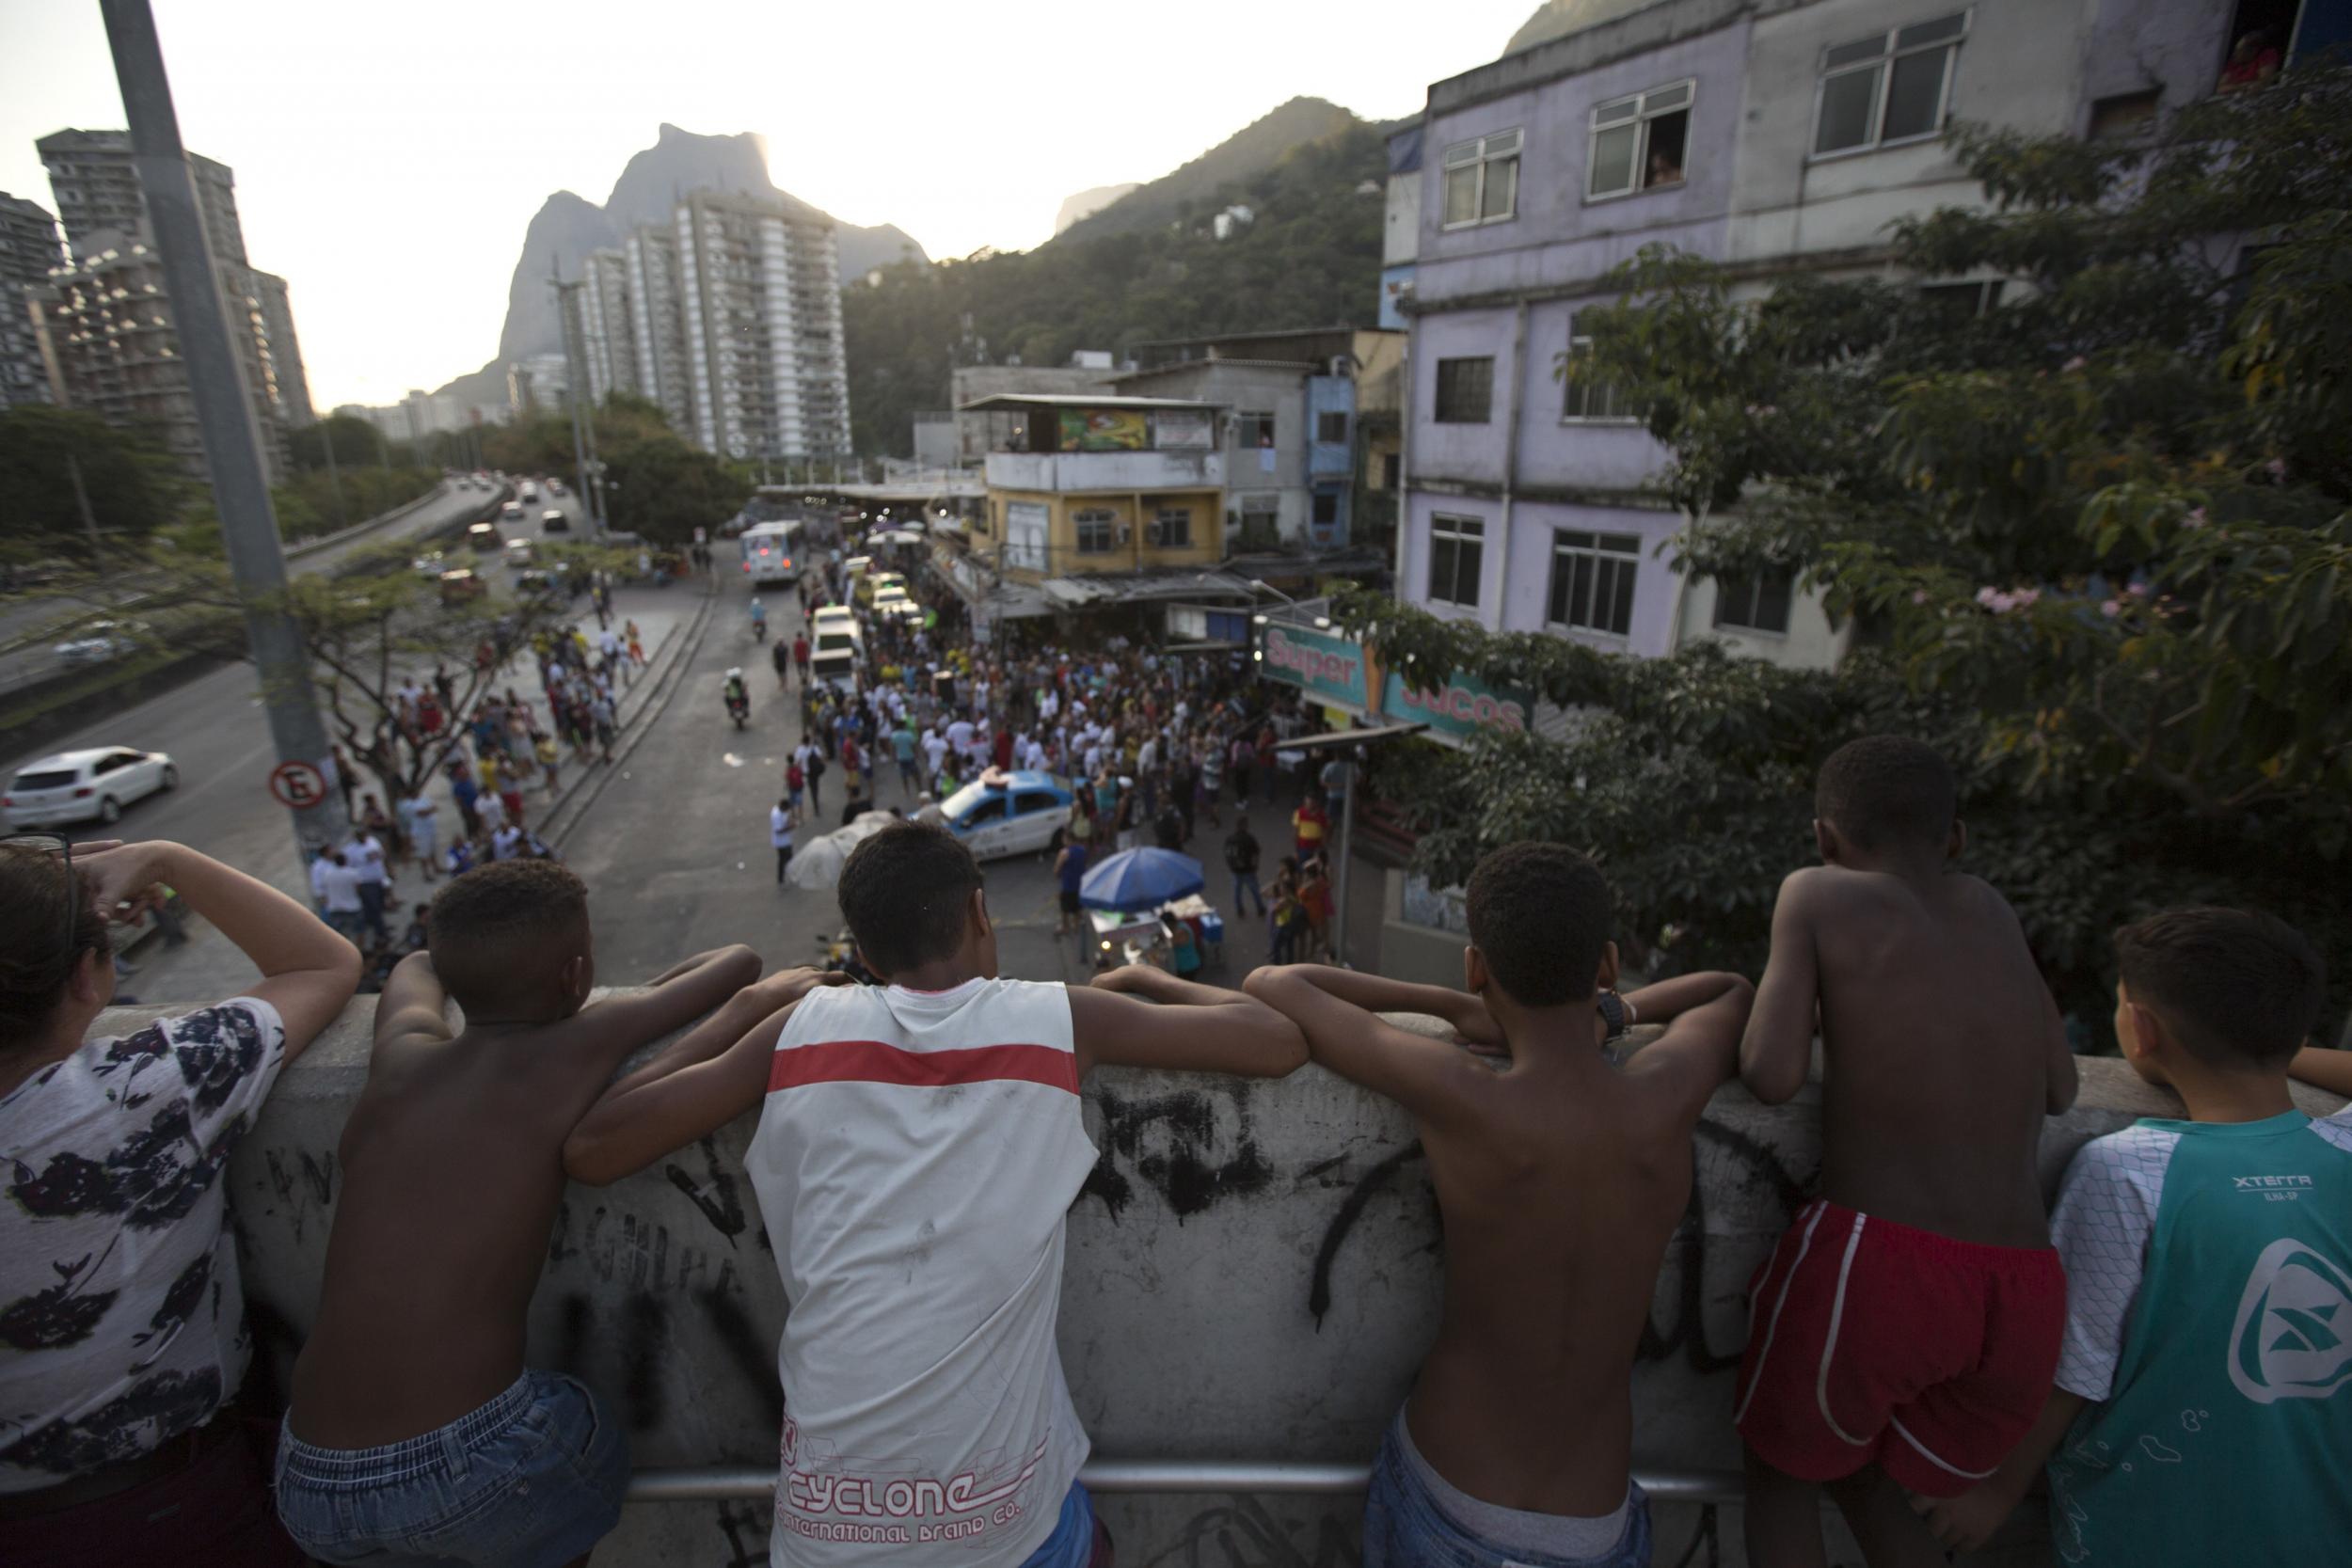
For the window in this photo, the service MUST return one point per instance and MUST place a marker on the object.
(990, 810)
(1457, 551)
(1392, 469)
(1327, 512)
(1888, 87)
(1759, 603)
(2126, 117)
(1592, 582)
(1095, 531)
(1331, 429)
(1587, 397)
(1481, 180)
(1174, 526)
(1466, 390)
(1253, 427)
(1961, 301)
(1639, 143)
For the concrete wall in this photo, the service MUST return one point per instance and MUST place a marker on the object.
(1253, 1273)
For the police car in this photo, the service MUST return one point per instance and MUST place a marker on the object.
(1007, 813)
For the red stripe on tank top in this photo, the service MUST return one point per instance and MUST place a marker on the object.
(877, 1062)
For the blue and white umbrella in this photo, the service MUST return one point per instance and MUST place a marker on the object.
(1134, 879)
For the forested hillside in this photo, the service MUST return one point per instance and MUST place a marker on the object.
(1311, 258)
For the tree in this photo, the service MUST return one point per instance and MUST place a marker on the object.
(133, 482)
(2094, 538)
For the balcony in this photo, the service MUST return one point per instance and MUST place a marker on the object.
(1076, 472)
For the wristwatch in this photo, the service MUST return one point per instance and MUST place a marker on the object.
(1613, 1012)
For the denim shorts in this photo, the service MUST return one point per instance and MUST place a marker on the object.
(1406, 1526)
(533, 1478)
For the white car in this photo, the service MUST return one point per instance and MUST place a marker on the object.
(839, 648)
(1007, 813)
(106, 640)
(520, 552)
(896, 604)
(84, 786)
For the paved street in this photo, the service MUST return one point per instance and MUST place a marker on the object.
(675, 850)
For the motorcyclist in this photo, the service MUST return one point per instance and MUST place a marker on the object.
(759, 619)
(737, 695)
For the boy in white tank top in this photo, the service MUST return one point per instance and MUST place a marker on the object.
(919, 1146)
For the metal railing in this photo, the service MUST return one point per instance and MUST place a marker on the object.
(1181, 1476)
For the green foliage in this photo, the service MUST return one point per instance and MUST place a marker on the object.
(133, 482)
(2096, 542)
(1311, 258)
(655, 485)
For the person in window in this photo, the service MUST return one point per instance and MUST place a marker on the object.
(1665, 169)
(119, 1300)
(2254, 60)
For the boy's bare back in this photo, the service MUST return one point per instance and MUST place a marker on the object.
(449, 1173)
(1943, 1050)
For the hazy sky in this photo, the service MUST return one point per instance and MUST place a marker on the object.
(389, 157)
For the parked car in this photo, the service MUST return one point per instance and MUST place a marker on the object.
(84, 786)
(553, 521)
(1007, 813)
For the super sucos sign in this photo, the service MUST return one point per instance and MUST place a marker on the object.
(1338, 671)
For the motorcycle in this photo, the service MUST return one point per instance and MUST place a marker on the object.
(739, 708)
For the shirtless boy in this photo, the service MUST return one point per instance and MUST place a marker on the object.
(1906, 1327)
(1559, 1179)
(919, 1146)
(415, 1429)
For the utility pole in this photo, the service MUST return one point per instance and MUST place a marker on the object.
(90, 518)
(575, 375)
(224, 408)
(334, 474)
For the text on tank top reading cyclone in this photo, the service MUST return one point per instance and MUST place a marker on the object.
(867, 1502)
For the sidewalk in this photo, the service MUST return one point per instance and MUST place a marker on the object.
(208, 967)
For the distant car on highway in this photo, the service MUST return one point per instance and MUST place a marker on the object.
(1007, 813)
(90, 785)
(432, 564)
(537, 580)
(102, 640)
(520, 552)
(462, 583)
(555, 488)
(531, 492)
(512, 511)
(483, 538)
(553, 521)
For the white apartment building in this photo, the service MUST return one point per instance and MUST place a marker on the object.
(1782, 135)
(657, 314)
(610, 339)
(760, 298)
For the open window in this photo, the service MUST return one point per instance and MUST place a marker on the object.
(1640, 143)
(2260, 31)
(1757, 602)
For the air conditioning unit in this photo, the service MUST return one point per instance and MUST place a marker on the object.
(1124, 533)
(1151, 533)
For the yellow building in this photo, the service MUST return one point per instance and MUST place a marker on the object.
(1093, 482)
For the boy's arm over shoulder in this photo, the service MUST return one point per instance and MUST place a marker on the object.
(704, 1080)
(1143, 1015)
(1337, 1009)
(1776, 1051)
(609, 1030)
(1700, 1049)
(2106, 1212)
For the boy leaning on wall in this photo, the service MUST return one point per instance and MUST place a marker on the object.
(2202, 1407)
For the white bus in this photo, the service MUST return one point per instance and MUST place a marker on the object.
(772, 553)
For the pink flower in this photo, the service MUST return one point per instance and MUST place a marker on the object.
(2072, 365)
(1986, 595)
(2277, 466)
(2110, 609)
(1918, 595)
(2026, 597)
(2138, 591)
(2195, 519)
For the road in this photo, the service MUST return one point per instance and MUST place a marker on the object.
(19, 617)
(216, 733)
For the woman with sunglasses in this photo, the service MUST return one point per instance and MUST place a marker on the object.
(120, 1307)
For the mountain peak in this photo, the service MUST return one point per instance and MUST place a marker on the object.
(1248, 152)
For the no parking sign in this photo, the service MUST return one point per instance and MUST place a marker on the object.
(298, 786)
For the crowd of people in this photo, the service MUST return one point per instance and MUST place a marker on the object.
(1925, 1341)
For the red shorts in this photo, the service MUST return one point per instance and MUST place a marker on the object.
(1870, 1342)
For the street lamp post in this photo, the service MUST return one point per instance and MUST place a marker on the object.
(224, 405)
